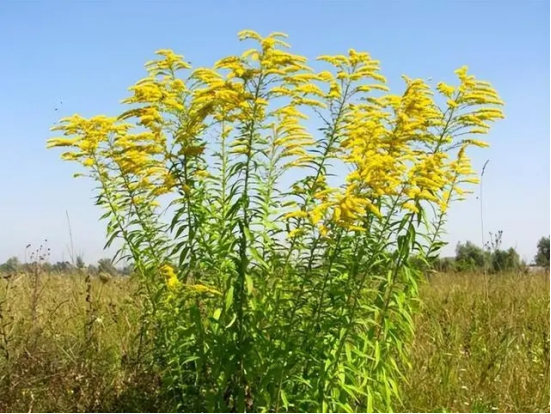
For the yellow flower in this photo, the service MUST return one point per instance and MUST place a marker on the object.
(452, 104)
(445, 89)
(171, 279)
(317, 214)
(172, 282)
(293, 214)
(199, 288)
(61, 142)
(411, 207)
(477, 143)
(295, 232)
(249, 34)
(324, 231)
(202, 173)
(193, 151)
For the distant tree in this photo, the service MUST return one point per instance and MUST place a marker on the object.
(444, 264)
(47, 267)
(79, 262)
(505, 260)
(127, 270)
(542, 256)
(62, 267)
(11, 265)
(469, 256)
(106, 265)
(93, 270)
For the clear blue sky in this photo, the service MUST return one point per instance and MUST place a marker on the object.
(86, 53)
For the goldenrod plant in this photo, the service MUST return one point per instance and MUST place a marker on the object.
(279, 277)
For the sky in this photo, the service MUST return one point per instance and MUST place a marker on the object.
(66, 57)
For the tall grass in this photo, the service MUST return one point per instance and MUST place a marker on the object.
(58, 355)
(481, 344)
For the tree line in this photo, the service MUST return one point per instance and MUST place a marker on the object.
(104, 265)
(469, 257)
(492, 258)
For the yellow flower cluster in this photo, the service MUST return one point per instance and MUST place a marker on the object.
(173, 283)
(292, 137)
(87, 135)
(170, 277)
(478, 100)
(395, 146)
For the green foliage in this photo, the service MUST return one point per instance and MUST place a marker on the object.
(261, 296)
(444, 264)
(470, 257)
(106, 265)
(542, 256)
(505, 260)
(11, 265)
(79, 262)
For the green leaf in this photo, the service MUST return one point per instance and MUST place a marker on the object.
(369, 402)
(284, 399)
(249, 282)
(232, 321)
(377, 353)
(229, 298)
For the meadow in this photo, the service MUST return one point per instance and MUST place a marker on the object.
(253, 293)
(72, 343)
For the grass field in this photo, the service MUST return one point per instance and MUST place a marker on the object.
(68, 343)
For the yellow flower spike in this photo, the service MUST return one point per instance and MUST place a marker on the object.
(471, 180)
(411, 207)
(374, 209)
(193, 151)
(317, 214)
(202, 174)
(186, 189)
(476, 143)
(171, 279)
(336, 60)
(251, 54)
(62, 142)
(200, 288)
(337, 214)
(70, 156)
(173, 282)
(294, 233)
(452, 104)
(462, 72)
(426, 195)
(267, 43)
(249, 34)
(325, 76)
(295, 214)
(229, 62)
(445, 89)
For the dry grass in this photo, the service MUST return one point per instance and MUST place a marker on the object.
(482, 344)
(81, 353)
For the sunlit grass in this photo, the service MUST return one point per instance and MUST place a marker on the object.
(481, 344)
